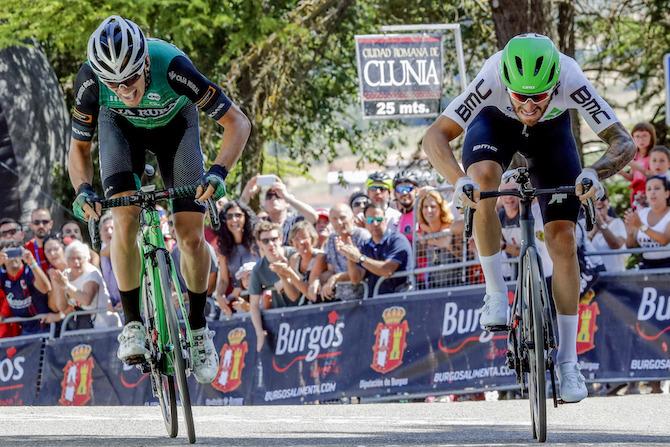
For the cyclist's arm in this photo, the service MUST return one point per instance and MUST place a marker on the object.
(185, 79)
(80, 162)
(436, 146)
(620, 152)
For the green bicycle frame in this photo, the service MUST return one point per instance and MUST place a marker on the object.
(151, 240)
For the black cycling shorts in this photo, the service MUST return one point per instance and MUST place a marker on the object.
(548, 146)
(176, 147)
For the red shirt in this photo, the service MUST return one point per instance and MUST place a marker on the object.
(7, 329)
(38, 253)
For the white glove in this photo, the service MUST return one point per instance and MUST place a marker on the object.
(459, 195)
(590, 173)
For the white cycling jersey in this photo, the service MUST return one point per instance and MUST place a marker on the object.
(573, 91)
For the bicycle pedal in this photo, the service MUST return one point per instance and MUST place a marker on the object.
(497, 328)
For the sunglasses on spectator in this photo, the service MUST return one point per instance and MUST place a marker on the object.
(378, 188)
(127, 82)
(404, 189)
(271, 195)
(359, 203)
(231, 216)
(10, 232)
(41, 221)
(269, 240)
(371, 220)
(535, 99)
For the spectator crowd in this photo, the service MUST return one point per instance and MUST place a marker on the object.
(287, 253)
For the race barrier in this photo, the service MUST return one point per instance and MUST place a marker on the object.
(417, 343)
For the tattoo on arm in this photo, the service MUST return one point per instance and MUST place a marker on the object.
(621, 151)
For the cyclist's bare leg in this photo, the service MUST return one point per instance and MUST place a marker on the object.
(560, 239)
(195, 261)
(125, 257)
(487, 237)
(487, 231)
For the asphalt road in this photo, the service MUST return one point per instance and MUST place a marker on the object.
(618, 421)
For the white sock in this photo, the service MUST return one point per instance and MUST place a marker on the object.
(492, 268)
(567, 337)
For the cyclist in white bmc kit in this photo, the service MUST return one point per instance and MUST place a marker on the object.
(518, 103)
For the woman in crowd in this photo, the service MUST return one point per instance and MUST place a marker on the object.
(437, 239)
(236, 247)
(609, 233)
(644, 136)
(649, 227)
(82, 285)
(308, 262)
(71, 231)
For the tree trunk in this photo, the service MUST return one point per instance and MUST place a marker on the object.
(566, 44)
(512, 17)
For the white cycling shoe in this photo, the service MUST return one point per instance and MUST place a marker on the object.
(204, 357)
(572, 384)
(132, 343)
(494, 311)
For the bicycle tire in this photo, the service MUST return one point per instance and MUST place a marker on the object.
(161, 383)
(534, 323)
(175, 337)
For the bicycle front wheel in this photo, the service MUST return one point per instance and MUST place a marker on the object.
(535, 343)
(178, 362)
(162, 384)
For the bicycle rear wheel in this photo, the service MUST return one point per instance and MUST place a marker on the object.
(535, 343)
(175, 338)
(162, 385)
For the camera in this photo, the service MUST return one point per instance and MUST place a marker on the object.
(13, 252)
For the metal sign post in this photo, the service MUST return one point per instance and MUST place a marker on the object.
(666, 64)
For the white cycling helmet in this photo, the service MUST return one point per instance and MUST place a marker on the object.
(117, 49)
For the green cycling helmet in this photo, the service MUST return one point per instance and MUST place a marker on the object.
(530, 64)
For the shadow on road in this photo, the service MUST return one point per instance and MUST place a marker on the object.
(439, 435)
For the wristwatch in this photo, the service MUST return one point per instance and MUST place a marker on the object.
(644, 228)
(362, 259)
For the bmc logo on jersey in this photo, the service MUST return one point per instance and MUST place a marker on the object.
(472, 101)
(487, 147)
(584, 98)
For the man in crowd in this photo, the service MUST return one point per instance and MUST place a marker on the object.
(275, 202)
(344, 230)
(379, 186)
(322, 227)
(270, 273)
(10, 230)
(25, 286)
(405, 185)
(40, 225)
(384, 254)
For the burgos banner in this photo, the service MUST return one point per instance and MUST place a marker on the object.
(400, 75)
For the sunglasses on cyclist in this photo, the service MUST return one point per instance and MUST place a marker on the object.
(535, 99)
(41, 221)
(127, 82)
(404, 189)
(10, 232)
(269, 240)
(371, 220)
(378, 188)
(359, 203)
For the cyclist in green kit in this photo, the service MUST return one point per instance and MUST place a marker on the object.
(144, 94)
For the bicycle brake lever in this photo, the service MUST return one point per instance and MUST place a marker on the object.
(468, 212)
(214, 220)
(94, 234)
(589, 207)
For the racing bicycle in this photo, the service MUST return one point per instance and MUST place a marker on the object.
(168, 338)
(531, 341)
